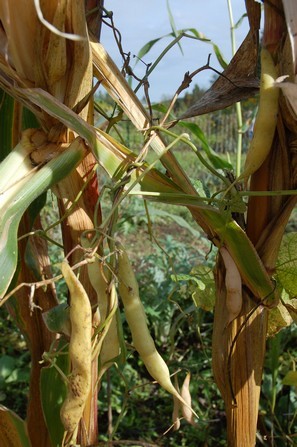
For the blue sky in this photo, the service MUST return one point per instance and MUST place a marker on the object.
(140, 21)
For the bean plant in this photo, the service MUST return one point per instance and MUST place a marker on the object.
(51, 65)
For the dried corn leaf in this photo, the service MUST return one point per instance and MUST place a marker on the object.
(291, 20)
(289, 90)
(238, 81)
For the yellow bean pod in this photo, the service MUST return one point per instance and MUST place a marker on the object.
(80, 353)
(108, 346)
(136, 319)
(266, 119)
(186, 395)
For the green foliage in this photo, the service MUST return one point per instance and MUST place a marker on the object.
(286, 267)
(183, 335)
(14, 366)
(53, 388)
(278, 413)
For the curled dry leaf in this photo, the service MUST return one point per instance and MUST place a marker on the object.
(238, 82)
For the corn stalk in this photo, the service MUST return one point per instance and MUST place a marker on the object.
(63, 154)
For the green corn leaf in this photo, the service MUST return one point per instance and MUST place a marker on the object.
(53, 390)
(173, 27)
(13, 432)
(54, 171)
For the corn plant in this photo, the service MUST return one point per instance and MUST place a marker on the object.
(49, 56)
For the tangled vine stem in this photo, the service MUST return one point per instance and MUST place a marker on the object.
(33, 286)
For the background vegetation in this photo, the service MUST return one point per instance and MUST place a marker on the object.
(172, 259)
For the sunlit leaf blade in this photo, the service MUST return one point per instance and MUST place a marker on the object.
(202, 287)
(53, 392)
(217, 162)
(172, 24)
(290, 378)
(286, 266)
(240, 20)
(53, 172)
(148, 46)
(13, 430)
(278, 318)
(291, 307)
(219, 56)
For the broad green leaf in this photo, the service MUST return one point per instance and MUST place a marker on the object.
(290, 378)
(57, 319)
(286, 266)
(13, 430)
(7, 365)
(204, 297)
(54, 171)
(201, 286)
(54, 390)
